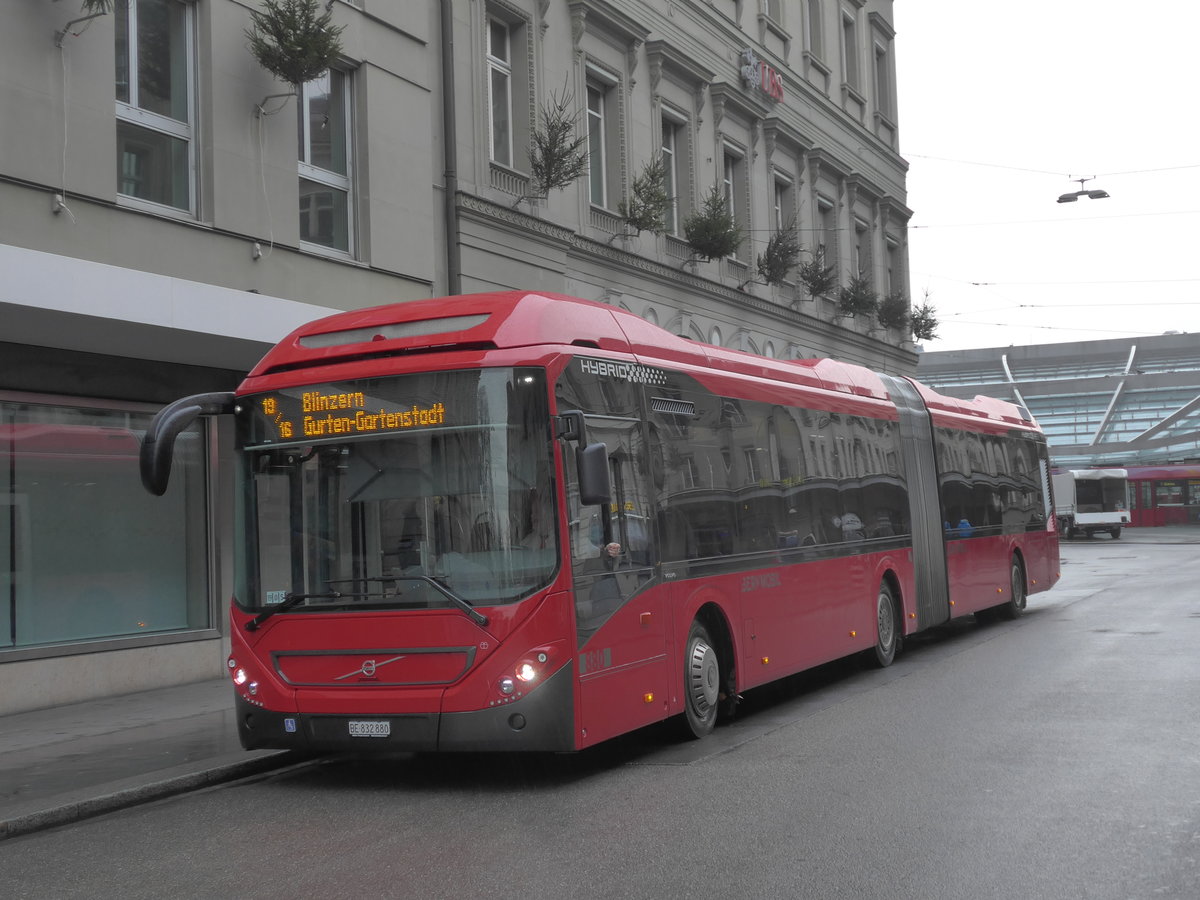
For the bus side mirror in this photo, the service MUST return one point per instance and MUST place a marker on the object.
(592, 462)
(158, 444)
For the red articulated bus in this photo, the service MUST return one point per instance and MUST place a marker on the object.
(523, 521)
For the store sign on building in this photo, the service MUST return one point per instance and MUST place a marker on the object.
(761, 77)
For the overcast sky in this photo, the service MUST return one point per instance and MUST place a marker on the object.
(1001, 105)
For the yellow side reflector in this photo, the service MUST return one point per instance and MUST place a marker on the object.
(766, 660)
(648, 697)
(854, 634)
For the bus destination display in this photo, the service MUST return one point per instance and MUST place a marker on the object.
(327, 412)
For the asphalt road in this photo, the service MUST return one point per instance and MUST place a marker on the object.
(1053, 757)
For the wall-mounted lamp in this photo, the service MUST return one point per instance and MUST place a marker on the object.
(1094, 194)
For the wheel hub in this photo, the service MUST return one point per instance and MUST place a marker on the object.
(704, 677)
(887, 625)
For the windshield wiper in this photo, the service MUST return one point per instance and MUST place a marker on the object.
(471, 612)
(293, 600)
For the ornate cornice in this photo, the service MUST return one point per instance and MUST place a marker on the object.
(599, 13)
(780, 133)
(728, 98)
(881, 25)
(664, 57)
(486, 210)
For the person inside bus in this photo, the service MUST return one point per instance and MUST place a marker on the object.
(851, 525)
(537, 532)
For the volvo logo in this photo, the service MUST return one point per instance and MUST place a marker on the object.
(368, 668)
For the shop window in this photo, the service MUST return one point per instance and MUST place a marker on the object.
(86, 554)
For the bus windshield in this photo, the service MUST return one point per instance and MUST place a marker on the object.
(407, 492)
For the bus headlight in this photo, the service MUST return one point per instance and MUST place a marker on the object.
(236, 672)
(534, 665)
(527, 672)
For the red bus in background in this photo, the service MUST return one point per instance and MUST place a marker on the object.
(522, 521)
(1164, 495)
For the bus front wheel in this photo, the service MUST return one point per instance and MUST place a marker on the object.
(701, 683)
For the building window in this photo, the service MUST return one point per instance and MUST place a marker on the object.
(850, 74)
(675, 156)
(597, 156)
(895, 281)
(753, 471)
(325, 166)
(816, 45)
(733, 185)
(783, 209)
(862, 250)
(154, 74)
(138, 567)
(500, 112)
(670, 161)
(603, 154)
(827, 223)
(883, 82)
(774, 10)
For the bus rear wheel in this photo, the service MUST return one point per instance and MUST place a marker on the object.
(1016, 592)
(887, 628)
(701, 683)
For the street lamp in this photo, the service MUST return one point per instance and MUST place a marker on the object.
(1094, 194)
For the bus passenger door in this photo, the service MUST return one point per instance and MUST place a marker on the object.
(619, 609)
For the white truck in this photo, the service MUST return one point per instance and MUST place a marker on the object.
(1091, 500)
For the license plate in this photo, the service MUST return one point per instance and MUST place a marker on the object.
(371, 729)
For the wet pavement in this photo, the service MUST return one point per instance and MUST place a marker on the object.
(71, 762)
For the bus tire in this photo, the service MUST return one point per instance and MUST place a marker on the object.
(701, 683)
(1016, 592)
(887, 628)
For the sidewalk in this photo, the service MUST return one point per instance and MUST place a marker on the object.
(71, 762)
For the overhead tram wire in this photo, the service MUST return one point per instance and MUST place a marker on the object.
(1067, 175)
(1076, 221)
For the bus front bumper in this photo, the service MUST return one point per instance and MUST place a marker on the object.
(544, 720)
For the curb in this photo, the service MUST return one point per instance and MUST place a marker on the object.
(78, 810)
